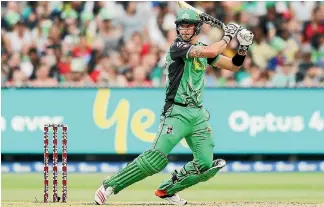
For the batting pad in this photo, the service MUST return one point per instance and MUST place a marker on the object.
(189, 175)
(146, 164)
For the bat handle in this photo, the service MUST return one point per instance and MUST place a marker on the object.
(206, 18)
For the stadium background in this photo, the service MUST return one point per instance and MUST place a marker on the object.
(99, 67)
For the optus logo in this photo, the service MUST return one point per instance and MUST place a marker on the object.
(241, 121)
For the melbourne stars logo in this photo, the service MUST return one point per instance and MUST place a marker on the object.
(185, 16)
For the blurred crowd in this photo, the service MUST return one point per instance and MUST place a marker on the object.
(124, 44)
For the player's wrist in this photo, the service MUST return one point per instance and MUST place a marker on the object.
(243, 50)
(227, 38)
(238, 59)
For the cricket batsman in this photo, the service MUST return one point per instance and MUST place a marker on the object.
(183, 115)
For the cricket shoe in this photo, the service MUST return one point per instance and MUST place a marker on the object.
(219, 163)
(102, 193)
(173, 199)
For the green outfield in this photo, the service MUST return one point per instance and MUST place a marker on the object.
(226, 189)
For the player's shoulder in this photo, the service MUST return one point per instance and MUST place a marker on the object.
(178, 44)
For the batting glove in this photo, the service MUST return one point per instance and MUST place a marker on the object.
(230, 31)
(245, 38)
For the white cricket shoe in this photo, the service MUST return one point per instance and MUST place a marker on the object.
(102, 194)
(219, 163)
(173, 199)
(176, 200)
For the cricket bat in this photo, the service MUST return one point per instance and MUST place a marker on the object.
(207, 19)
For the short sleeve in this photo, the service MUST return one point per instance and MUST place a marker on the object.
(212, 61)
(180, 50)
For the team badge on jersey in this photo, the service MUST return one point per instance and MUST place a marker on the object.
(169, 130)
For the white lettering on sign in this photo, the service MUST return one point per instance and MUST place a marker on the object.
(240, 121)
(26, 123)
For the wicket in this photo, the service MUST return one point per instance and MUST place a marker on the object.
(55, 127)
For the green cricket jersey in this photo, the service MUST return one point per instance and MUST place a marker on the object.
(185, 77)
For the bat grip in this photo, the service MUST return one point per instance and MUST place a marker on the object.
(206, 18)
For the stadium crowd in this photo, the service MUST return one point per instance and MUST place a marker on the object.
(124, 44)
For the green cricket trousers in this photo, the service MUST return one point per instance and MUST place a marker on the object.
(177, 122)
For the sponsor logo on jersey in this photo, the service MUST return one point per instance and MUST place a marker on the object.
(182, 45)
(198, 64)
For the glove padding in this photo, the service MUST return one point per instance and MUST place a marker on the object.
(245, 38)
(231, 31)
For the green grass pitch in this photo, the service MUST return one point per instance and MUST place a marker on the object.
(226, 189)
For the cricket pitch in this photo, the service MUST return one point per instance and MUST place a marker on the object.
(224, 190)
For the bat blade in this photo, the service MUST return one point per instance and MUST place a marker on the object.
(184, 5)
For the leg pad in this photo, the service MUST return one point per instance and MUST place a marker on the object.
(189, 176)
(146, 164)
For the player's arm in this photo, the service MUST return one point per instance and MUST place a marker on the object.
(225, 63)
(208, 51)
(245, 38)
(216, 48)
